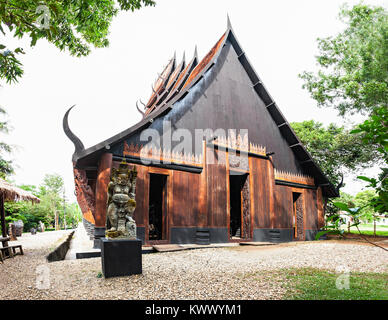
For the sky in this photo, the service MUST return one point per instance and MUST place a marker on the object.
(278, 37)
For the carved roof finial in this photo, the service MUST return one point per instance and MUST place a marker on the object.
(229, 24)
(196, 52)
(138, 109)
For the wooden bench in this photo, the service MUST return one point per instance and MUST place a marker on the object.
(11, 250)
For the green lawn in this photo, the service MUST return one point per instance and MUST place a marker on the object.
(316, 284)
(370, 226)
(367, 229)
(370, 233)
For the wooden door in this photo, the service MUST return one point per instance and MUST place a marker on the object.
(298, 216)
(239, 208)
(157, 208)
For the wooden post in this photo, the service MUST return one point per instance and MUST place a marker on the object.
(271, 183)
(103, 179)
(374, 226)
(2, 213)
(203, 208)
(320, 209)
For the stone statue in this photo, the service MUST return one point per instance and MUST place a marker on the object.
(121, 203)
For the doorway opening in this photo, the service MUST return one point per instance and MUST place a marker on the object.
(239, 206)
(157, 207)
(298, 223)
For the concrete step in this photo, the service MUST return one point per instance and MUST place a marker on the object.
(168, 247)
(257, 243)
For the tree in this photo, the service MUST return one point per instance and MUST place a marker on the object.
(6, 166)
(347, 198)
(363, 200)
(375, 132)
(31, 188)
(353, 78)
(74, 25)
(353, 66)
(51, 192)
(335, 149)
(49, 210)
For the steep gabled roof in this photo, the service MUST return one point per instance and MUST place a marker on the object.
(160, 84)
(181, 80)
(163, 91)
(187, 78)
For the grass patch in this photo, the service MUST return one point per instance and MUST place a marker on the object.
(371, 226)
(316, 284)
(370, 233)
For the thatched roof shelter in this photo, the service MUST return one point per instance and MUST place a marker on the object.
(12, 193)
(9, 192)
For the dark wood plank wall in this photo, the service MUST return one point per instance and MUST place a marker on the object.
(216, 189)
(142, 195)
(186, 199)
(260, 193)
(311, 210)
(183, 202)
(321, 212)
(283, 207)
(202, 199)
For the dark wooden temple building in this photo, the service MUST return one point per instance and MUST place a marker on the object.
(244, 175)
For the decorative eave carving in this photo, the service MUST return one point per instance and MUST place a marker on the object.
(240, 144)
(85, 195)
(294, 177)
(163, 156)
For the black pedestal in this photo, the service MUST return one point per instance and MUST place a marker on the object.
(120, 257)
(99, 233)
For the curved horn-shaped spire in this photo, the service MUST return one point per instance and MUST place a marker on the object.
(160, 77)
(138, 109)
(143, 103)
(79, 146)
(340, 185)
(153, 90)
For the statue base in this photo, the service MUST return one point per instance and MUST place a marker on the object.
(121, 257)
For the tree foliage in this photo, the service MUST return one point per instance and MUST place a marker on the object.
(6, 166)
(352, 77)
(363, 200)
(335, 149)
(52, 210)
(353, 66)
(75, 25)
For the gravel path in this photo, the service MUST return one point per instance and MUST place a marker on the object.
(222, 273)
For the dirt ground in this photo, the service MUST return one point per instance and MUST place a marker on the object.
(232, 273)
